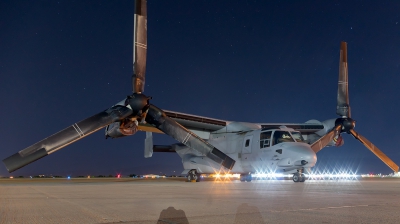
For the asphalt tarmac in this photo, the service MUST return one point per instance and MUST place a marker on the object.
(172, 200)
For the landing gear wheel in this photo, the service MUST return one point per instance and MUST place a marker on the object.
(303, 177)
(245, 177)
(249, 177)
(296, 177)
(193, 176)
(198, 176)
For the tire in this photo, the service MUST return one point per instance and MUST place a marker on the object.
(296, 177)
(198, 177)
(248, 178)
(192, 175)
(303, 178)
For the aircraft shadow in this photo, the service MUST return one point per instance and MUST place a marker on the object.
(171, 215)
(244, 214)
(248, 214)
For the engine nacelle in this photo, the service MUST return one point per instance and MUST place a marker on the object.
(121, 128)
(328, 126)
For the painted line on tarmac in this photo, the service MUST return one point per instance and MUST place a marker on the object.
(313, 209)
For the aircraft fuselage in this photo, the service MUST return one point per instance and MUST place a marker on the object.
(257, 151)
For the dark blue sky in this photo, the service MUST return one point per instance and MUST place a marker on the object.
(254, 61)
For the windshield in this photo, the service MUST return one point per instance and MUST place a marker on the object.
(282, 136)
(297, 136)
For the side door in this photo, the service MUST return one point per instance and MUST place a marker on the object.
(247, 142)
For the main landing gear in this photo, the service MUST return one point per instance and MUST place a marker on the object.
(299, 176)
(193, 176)
(245, 177)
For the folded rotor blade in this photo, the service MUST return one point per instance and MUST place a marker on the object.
(324, 140)
(343, 105)
(65, 137)
(158, 118)
(139, 46)
(375, 150)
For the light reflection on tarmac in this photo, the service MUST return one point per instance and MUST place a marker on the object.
(172, 200)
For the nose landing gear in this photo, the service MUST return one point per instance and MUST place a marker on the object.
(299, 176)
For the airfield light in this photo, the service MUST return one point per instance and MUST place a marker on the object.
(219, 174)
(315, 175)
(119, 175)
(68, 177)
(334, 175)
(223, 176)
(273, 175)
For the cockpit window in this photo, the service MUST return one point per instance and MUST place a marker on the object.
(297, 136)
(265, 138)
(282, 136)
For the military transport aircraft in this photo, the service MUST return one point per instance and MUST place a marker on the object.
(208, 145)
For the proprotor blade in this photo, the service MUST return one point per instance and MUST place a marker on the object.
(65, 137)
(160, 120)
(375, 150)
(324, 140)
(343, 105)
(139, 46)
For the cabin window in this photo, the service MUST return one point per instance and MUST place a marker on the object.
(279, 151)
(265, 138)
(282, 136)
(247, 143)
(297, 136)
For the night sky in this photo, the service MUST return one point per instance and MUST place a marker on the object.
(253, 61)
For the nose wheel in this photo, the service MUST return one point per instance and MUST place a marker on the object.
(299, 177)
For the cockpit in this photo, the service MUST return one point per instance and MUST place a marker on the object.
(273, 137)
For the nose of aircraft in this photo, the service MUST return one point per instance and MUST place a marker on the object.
(302, 154)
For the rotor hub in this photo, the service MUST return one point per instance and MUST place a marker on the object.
(347, 124)
(138, 102)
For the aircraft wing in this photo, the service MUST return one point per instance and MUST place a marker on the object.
(200, 125)
(304, 128)
(203, 126)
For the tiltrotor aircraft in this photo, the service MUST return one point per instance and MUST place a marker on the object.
(208, 145)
